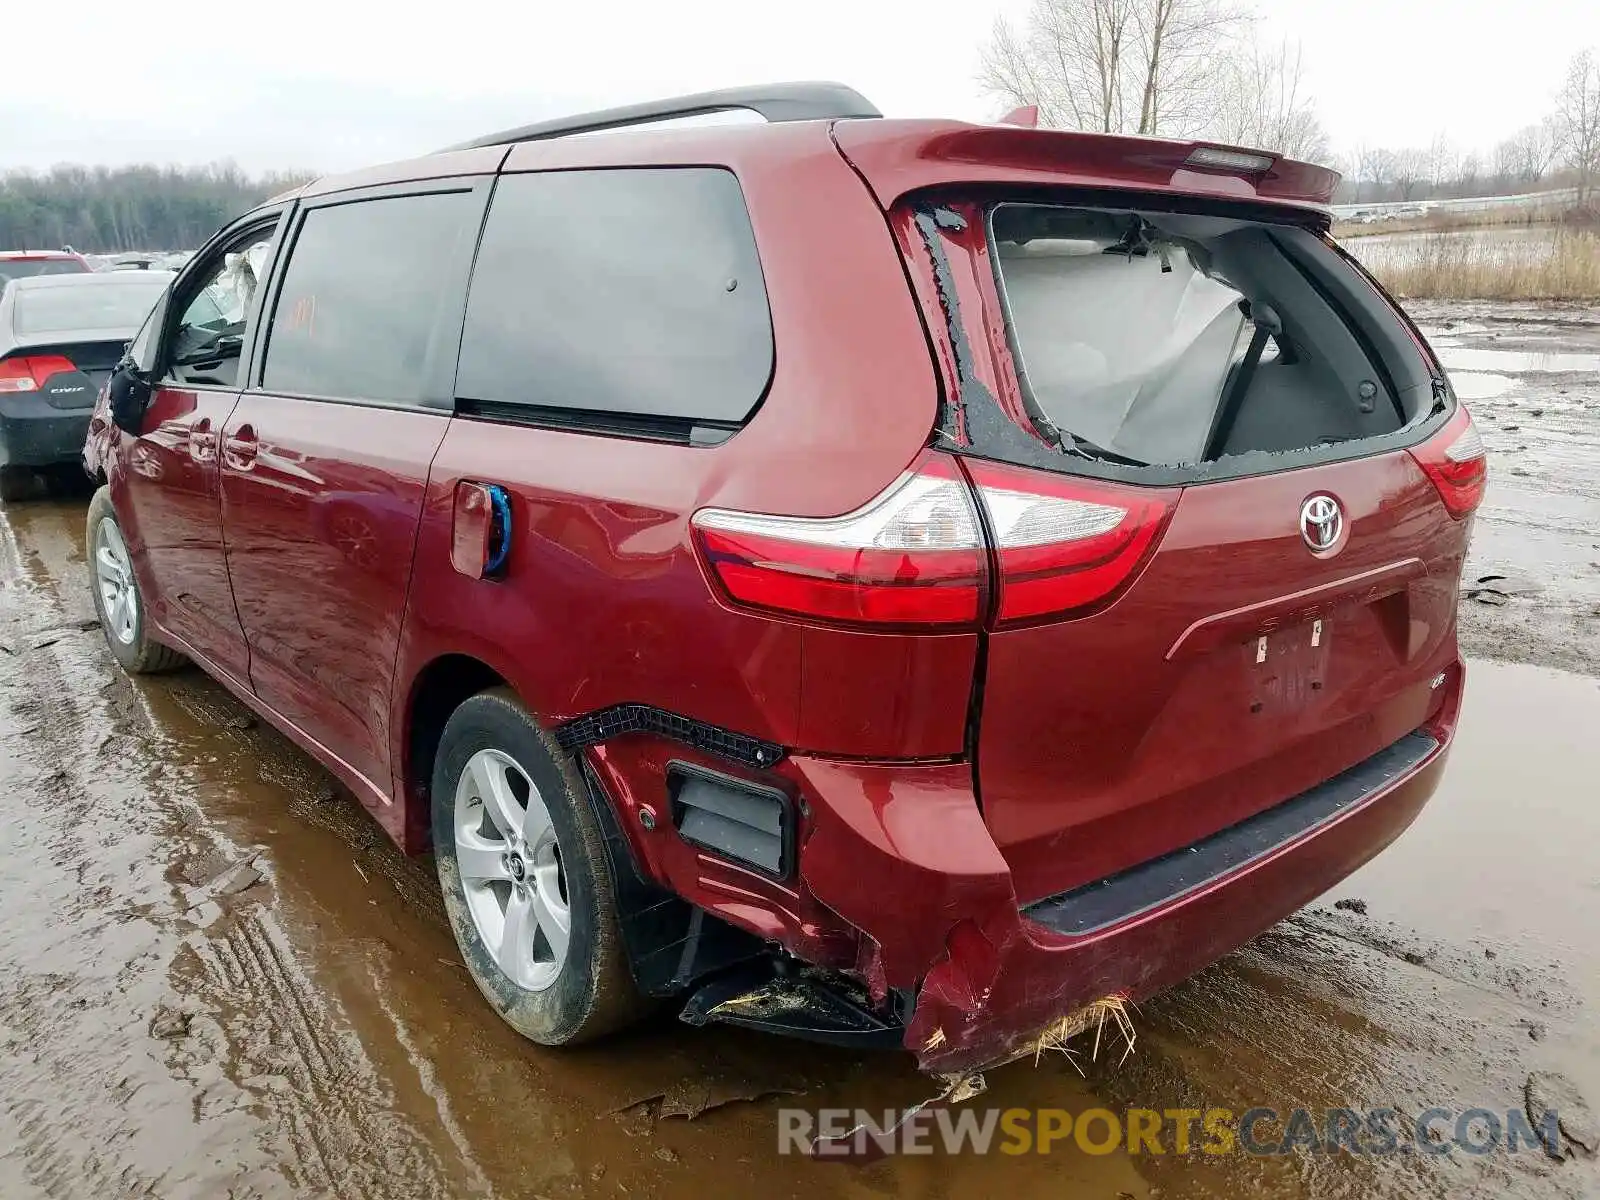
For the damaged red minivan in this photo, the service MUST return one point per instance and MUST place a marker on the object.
(883, 581)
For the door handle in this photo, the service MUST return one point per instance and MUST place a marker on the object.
(481, 530)
(239, 448)
(202, 440)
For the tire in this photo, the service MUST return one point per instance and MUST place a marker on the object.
(123, 626)
(495, 765)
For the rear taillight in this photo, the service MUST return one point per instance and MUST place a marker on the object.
(1454, 458)
(1065, 546)
(31, 374)
(911, 557)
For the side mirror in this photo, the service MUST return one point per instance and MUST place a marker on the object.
(128, 396)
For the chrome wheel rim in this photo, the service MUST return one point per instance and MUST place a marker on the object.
(509, 860)
(113, 574)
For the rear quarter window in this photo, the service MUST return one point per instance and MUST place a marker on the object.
(634, 292)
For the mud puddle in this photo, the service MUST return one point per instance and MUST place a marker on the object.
(1531, 374)
(218, 979)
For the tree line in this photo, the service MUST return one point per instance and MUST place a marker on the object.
(1562, 150)
(107, 209)
(1197, 69)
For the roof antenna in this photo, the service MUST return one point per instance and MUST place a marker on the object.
(1027, 117)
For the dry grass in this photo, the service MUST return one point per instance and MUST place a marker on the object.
(1446, 220)
(1058, 1034)
(1564, 267)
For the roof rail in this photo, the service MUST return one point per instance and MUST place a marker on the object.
(774, 101)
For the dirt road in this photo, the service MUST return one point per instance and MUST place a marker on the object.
(218, 979)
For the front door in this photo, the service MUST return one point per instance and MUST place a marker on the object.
(168, 492)
(324, 462)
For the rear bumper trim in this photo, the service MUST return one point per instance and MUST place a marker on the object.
(1160, 881)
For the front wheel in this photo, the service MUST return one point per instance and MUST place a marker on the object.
(117, 601)
(526, 881)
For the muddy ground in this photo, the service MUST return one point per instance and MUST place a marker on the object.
(218, 979)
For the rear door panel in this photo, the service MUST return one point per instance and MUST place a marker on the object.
(1238, 670)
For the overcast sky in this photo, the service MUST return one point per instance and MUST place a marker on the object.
(330, 84)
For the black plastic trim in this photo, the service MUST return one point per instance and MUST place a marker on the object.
(678, 771)
(1120, 897)
(621, 719)
(773, 996)
(682, 431)
(671, 944)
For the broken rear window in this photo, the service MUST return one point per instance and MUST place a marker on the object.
(1178, 338)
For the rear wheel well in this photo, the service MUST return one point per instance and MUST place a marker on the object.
(440, 688)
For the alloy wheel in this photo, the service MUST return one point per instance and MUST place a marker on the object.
(509, 860)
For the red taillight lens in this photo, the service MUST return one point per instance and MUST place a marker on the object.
(1066, 546)
(30, 374)
(1454, 458)
(912, 556)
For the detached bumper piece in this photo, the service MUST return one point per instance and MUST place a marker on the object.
(804, 1003)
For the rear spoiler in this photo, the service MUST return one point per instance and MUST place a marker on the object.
(897, 157)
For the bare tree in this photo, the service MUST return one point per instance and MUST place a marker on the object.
(1262, 103)
(1410, 171)
(1505, 162)
(1116, 66)
(1444, 162)
(1072, 60)
(1469, 174)
(1178, 44)
(1532, 151)
(1577, 121)
(1378, 167)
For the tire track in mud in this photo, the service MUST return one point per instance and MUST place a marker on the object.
(258, 1084)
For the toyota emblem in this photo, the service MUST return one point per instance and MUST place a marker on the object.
(1321, 523)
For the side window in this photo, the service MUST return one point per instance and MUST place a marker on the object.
(365, 297)
(210, 333)
(633, 292)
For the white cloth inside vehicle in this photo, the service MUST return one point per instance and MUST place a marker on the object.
(1118, 351)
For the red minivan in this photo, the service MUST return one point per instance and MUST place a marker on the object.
(885, 581)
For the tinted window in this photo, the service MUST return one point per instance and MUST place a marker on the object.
(360, 313)
(114, 305)
(26, 268)
(629, 291)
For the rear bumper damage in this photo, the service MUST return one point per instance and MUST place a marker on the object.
(904, 856)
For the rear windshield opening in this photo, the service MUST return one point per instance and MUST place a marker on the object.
(1166, 338)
